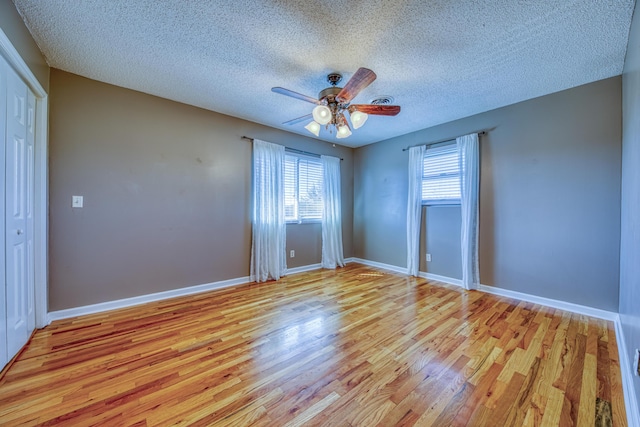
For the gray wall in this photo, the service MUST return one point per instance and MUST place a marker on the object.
(549, 203)
(440, 237)
(630, 227)
(166, 191)
(13, 26)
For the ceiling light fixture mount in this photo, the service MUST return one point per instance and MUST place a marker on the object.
(334, 78)
(333, 101)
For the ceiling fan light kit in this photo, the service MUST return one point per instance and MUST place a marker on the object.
(342, 129)
(343, 132)
(358, 118)
(322, 114)
(333, 101)
(314, 128)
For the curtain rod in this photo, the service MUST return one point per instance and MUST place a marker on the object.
(293, 150)
(482, 132)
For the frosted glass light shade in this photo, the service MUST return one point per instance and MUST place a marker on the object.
(313, 127)
(343, 131)
(322, 114)
(358, 118)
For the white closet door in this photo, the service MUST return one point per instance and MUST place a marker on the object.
(4, 353)
(30, 217)
(19, 264)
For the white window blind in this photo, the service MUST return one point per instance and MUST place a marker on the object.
(302, 188)
(290, 188)
(441, 175)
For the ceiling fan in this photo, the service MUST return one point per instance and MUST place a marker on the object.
(333, 101)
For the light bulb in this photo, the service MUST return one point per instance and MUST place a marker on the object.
(313, 127)
(358, 118)
(322, 114)
(343, 131)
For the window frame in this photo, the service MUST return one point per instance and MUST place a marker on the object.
(446, 150)
(311, 160)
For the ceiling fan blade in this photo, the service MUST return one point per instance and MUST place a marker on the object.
(380, 110)
(299, 119)
(360, 79)
(296, 95)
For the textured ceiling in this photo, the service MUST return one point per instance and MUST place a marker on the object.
(441, 60)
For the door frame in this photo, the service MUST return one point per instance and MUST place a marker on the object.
(40, 237)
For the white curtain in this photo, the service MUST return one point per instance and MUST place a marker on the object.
(268, 246)
(469, 189)
(332, 253)
(414, 208)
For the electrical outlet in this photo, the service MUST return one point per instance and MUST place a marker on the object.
(77, 201)
(292, 254)
(636, 363)
(428, 257)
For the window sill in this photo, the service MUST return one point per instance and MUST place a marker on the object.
(442, 203)
(306, 221)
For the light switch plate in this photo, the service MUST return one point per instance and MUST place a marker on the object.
(77, 201)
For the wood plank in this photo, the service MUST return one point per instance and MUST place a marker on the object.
(619, 415)
(587, 409)
(553, 412)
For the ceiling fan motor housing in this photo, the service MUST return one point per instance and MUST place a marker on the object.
(329, 94)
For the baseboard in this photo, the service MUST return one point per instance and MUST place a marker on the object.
(553, 303)
(142, 299)
(311, 267)
(443, 279)
(403, 270)
(304, 268)
(562, 305)
(376, 264)
(630, 400)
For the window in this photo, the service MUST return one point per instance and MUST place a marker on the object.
(302, 189)
(441, 176)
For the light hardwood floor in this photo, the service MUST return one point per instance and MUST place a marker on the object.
(353, 347)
